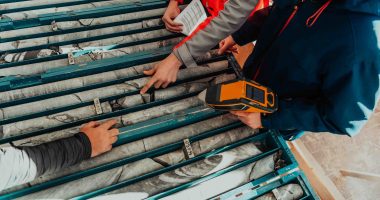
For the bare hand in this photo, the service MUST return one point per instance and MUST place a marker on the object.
(227, 45)
(252, 120)
(101, 136)
(170, 14)
(163, 73)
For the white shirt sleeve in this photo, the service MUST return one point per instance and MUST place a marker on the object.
(15, 167)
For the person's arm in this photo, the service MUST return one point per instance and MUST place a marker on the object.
(252, 26)
(20, 165)
(230, 19)
(349, 95)
(24, 164)
(349, 100)
(171, 12)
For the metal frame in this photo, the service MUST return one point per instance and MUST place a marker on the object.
(73, 71)
(255, 189)
(110, 98)
(77, 2)
(46, 19)
(287, 174)
(70, 91)
(98, 37)
(125, 183)
(275, 141)
(133, 133)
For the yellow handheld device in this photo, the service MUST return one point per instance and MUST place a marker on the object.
(241, 95)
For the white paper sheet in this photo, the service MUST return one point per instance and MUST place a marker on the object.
(193, 15)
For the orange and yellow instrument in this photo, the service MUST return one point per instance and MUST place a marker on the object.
(241, 95)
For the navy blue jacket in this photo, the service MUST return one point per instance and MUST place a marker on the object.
(327, 76)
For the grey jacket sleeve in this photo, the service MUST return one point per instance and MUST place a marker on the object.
(24, 164)
(229, 20)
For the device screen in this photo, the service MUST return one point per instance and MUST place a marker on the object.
(255, 93)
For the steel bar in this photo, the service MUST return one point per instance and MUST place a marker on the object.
(64, 125)
(58, 58)
(210, 176)
(114, 38)
(198, 159)
(10, 1)
(42, 125)
(81, 36)
(67, 27)
(135, 169)
(225, 182)
(119, 96)
(39, 4)
(148, 154)
(46, 19)
(152, 142)
(286, 192)
(73, 71)
(59, 88)
(28, 14)
(61, 60)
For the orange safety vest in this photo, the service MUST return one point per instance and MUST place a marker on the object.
(213, 7)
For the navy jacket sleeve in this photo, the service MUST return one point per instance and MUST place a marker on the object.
(350, 92)
(250, 30)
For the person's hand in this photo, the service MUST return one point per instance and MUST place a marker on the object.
(228, 45)
(170, 14)
(101, 136)
(252, 120)
(163, 73)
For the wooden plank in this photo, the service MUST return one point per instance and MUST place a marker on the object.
(322, 184)
(361, 175)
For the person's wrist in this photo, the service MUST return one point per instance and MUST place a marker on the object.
(173, 3)
(260, 124)
(87, 146)
(175, 60)
(232, 40)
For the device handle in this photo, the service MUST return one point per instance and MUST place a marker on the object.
(271, 94)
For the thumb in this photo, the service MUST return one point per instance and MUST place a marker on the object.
(221, 43)
(240, 113)
(150, 72)
(108, 124)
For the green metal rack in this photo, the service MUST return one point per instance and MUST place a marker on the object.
(55, 5)
(290, 173)
(11, 83)
(264, 185)
(274, 142)
(46, 19)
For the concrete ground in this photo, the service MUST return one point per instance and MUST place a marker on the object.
(360, 153)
